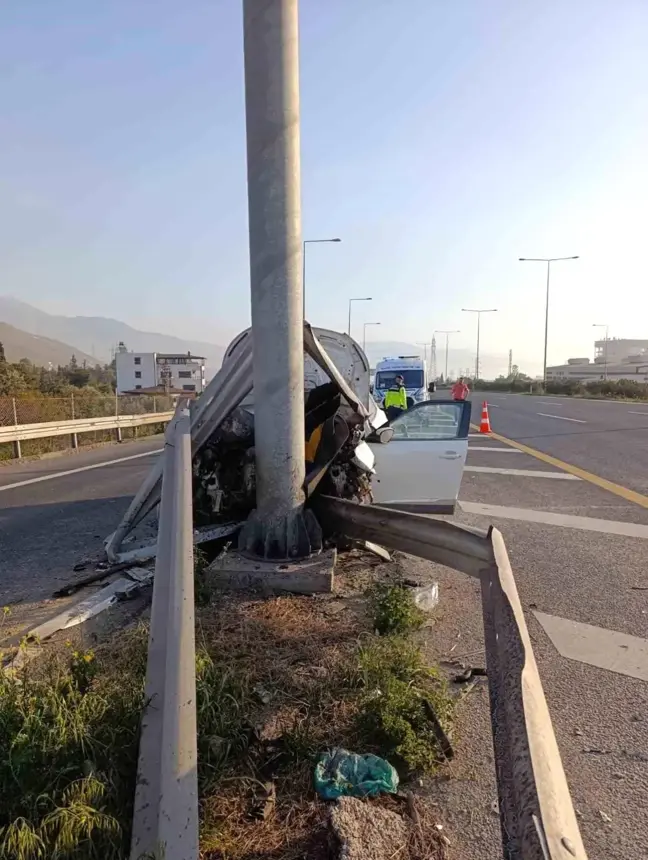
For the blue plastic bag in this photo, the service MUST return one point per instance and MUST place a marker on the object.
(341, 773)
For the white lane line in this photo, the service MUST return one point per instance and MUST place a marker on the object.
(50, 477)
(523, 473)
(596, 646)
(489, 448)
(550, 403)
(636, 413)
(562, 418)
(549, 518)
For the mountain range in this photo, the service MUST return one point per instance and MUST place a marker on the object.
(28, 332)
(91, 338)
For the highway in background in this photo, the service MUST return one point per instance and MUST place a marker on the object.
(606, 437)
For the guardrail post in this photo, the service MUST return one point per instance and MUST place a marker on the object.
(73, 437)
(16, 444)
(165, 818)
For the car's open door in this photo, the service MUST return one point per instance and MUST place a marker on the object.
(420, 469)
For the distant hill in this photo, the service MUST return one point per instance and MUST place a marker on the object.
(41, 350)
(98, 336)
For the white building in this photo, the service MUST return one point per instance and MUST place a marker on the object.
(615, 358)
(149, 370)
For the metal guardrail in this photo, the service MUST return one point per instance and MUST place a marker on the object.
(44, 430)
(537, 816)
(165, 818)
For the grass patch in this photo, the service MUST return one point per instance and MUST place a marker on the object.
(69, 738)
(393, 715)
(393, 610)
(278, 682)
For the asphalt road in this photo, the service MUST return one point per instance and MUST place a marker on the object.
(606, 437)
(50, 520)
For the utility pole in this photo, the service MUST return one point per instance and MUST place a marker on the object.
(433, 364)
(548, 261)
(447, 333)
(510, 367)
(276, 529)
(479, 313)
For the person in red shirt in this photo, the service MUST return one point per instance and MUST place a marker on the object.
(460, 390)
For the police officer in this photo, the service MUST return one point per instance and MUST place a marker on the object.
(395, 401)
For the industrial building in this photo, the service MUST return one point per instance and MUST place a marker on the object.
(614, 359)
(145, 371)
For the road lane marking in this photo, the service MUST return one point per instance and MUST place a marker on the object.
(488, 448)
(522, 473)
(596, 646)
(50, 477)
(562, 418)
(618, 490)
(550, 518)
(637, 413)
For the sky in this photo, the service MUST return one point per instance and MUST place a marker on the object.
(440, 141)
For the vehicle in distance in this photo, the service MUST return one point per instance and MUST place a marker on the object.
(412, 368)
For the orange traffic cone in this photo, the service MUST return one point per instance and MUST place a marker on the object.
(484, 426)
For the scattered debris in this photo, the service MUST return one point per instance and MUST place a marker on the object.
(427, 597)
(264, 696)
(471, 672)
(101, 572)
(441, 736)
(639, 588)
(605, 816)
(365, 831)
(264, 802)
(342, 773)
(81, 565)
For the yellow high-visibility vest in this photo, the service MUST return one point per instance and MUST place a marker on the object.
(396, 397)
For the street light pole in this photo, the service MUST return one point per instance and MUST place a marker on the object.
(276, 529)
(548, 261)
(368, 299)
(364, 333)
(304, 243)
(479, 312)
(605, 346)
(447, 333)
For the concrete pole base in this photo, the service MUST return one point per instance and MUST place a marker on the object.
(295, 536)
(236, 572)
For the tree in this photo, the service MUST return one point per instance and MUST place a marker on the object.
(73, 362)
(3, 358)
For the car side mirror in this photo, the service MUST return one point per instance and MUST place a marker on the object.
(382, 435)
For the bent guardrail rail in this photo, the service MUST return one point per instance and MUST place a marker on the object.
(165, 817)
(536, 811)
(43, 430)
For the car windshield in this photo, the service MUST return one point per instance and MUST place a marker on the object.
(386, 378)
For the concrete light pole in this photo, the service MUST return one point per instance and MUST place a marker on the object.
(369, 299)
(548, 261)
(479, 312)
(447, 333)
(304, 243)
(605, 348)
(276, 528)
(364, 333)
